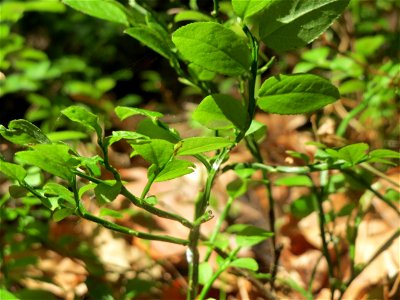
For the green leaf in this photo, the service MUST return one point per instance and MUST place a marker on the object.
(124, 112)
(54, 159)
(17, 191)
(191, 15)
(249, 235)
(205, 272)
(104, 211)
(152, 200)
(296, 94)
(302, 207)
(175, 168)
(109, 10)
(84, 117)
(6, 295)
(148, 128)
(236, 188)
(298, 180)
(13, 171)
(354, 153)
(152, 38)
(245, 263)
(126, 135)
(384, 153)
(247, 8)
(23, 132)
(197, 145)
(220, 111)
(157, 152)
(107, 192)
(55, 189)
(290, 24)
(62, 213)
(66, 135)
(213, 47)
(257, 130)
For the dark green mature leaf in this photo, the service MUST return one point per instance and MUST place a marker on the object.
(247, 8)
(124, 112)
(12, 171)
(197, 145)
(23, 132)
(297, 180)
(175, 168)
(109, 10)
(152, 38)
(213, 47)
(84, 117)
(220, 111)
(290, 24)
(54, 159)
(249, 235)
(296, 94)
(158, 152)
(248, 263)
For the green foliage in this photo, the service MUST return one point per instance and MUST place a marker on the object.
(223, 60)
(213, 47)
(296, 94)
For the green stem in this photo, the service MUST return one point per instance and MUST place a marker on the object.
(220, 270)
(318, 198)
(214, 13)
(218, 226)
(148, 185)
(142, 204)
(194, 235)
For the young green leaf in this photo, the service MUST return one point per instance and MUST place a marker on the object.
(126, 135)
(249, 235)
(54, 159)
(297, 180)
(257, 130)
(23, 132)
(12, 171)
(197, 145)
(289, 24)
(247, 8)
(220, 111)
(248, 263)
(65, 135)
(152, 39)
(83, 116)
(109, 10)
(302, 206)
(296, 94)
(354, 153)
(237, 187)
(124, 112)
(158, 152)
(175, 168)
(213, 47)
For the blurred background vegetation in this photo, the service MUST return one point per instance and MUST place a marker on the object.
(52, 56)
